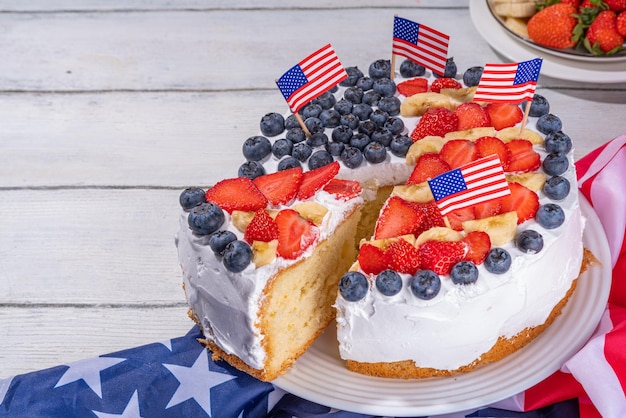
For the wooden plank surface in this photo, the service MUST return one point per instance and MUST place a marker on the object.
(108, 109)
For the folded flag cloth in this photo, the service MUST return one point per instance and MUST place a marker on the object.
(177, 378)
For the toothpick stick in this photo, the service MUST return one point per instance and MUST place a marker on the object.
(302, 125)
(524, 119)
(447, 221)
(393, 66)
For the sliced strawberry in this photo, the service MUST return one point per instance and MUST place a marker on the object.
(472, 115)
(458, 216)
(486, 209)
(504, 115)
(314, 180)
(343, 189)
(444, 83)
(404, 257)
(440, 256)
(295, 234)
(413, 86)
(372, 259)
(436, 121)
(262, 227)
(488, 145)
(280, 187)
(432, 216)
(523, 157)
(427, 166)
(522, 200)
(478, 246)
(458, 152)
(238, 193)
(397, 217)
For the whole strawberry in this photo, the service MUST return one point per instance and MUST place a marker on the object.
(616, 5)
(602, 36)
(621, 24)
(553, 26)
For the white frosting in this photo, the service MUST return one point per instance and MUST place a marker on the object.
(464, 321)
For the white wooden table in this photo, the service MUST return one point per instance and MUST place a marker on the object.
(109, 108)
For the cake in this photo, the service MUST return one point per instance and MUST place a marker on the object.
(269, 255)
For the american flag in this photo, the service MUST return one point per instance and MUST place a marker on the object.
(512, 83)
(421, 44)
(475, 182)
(311, 77)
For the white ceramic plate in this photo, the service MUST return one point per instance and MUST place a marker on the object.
(320, 375)
(554, 65)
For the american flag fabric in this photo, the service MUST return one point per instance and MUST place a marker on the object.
(311, 77)
(177, 378)
(511, 83)
(479, 181)
(421, 44)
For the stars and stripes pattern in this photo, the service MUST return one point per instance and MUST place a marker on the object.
(311, 77)
(510, 83)
(421, 44)
(479, 181)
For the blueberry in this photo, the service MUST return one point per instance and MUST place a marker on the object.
(379, 117)
(282, 147)
(342, 133)
(353, 75)
(350, 120)
(319, 159)
(375, 152)
(550, 216)
(359, 141)
(385, 87)
(558, 142)
(330, 118)
(367, 127)
(219, 240)
(362, 111)
(301, 151)
(326, 100)
(295, 135)
(529, 241)
(539, 106)
(450, 69)
(251, 170)
(343, 106)
(318, 139)
(379, 69)
(314, 125)
(272, 124)
(472, 75)
(400, 145)
(395, 125)
(425, 284)
(464, 272)
(498, 261)
(335, 148)
(237, 256)
(312, 110)
(287, 163)
(390, 105)
(292, 122)
(191, 196)
(352, 157)
(353, 286)
(410, 69)
(205, 218)
(549, 123)
(388, 282)
(555, 164)
(382, 135)
(365, 83)
(556, 188)
(256, 148)
(353, 95)
(371, 98)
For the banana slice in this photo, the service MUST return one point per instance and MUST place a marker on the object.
(471, 134)
(419, 193)
(509, 134)
(428, 144)
(311, 211)
(418, 104)
(241, 219)
(517, 25)
(533, 181)
(500, 228)
(462, 95)
(264, 252)
(525, 9)
(439, 233)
